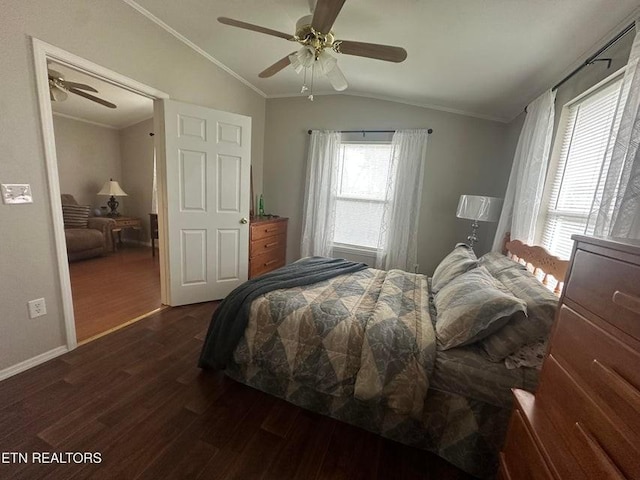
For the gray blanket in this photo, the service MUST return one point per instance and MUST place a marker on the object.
(230, 319)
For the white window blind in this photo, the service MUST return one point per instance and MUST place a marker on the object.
(363, 177)
(578, 178)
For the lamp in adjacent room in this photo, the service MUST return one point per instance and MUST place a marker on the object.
(478, 209)
(113, 189)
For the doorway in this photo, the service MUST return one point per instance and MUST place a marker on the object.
(113, 269)
(104, 145)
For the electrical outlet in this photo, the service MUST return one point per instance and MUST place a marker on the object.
(37, 308)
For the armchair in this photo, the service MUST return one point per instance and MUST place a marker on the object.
(95, 240)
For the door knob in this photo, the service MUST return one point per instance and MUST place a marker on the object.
(244, 220)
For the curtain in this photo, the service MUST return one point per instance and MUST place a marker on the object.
(526, 181)
(321, 188)
(398, 240)
(616, 206)
(154, 187)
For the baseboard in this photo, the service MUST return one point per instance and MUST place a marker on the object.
(32, 362)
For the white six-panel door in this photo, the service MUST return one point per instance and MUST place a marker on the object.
(208, 158)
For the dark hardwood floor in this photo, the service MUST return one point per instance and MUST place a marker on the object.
(112, 290)
(137, 398)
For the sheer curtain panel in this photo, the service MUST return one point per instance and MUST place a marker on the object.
(398, 240)
(526, 181)
(154, 186)
(616, 208)
(319, 212)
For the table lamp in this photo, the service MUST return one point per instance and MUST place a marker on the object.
(113, 189)
(478, 209)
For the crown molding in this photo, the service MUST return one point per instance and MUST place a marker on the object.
(84, 120)
(192, 45)
(135, 122)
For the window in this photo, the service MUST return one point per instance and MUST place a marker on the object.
(362, 187)
(577, 180)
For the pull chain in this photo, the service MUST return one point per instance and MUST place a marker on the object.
(304, 83)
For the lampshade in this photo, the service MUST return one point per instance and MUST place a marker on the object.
(112, 188)
(482, 209)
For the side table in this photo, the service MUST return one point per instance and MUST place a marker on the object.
(123, 223)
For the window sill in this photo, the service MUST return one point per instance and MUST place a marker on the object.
(355, 249)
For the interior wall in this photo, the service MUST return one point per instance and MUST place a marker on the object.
(465, 155)
(88, 155)
(112, 34)
(583, 81)
(136, 148)
(592, 74)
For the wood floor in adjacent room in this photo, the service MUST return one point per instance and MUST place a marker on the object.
(136, 397)
(112, 290)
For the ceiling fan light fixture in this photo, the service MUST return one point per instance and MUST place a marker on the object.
(314, 32)
(327, 62)
(303, 58)
(337, 79)
(329, 66)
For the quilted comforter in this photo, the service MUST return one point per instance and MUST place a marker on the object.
(366, 335)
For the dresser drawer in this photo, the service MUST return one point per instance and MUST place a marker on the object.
(266, 262)
(595, 440)
(268, 229)
(521, 459)
(607, 287)
(268, 244)
(608, 369)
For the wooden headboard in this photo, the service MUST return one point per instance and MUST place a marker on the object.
(540, 262)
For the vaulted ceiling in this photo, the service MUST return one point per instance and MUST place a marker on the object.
(484, 57)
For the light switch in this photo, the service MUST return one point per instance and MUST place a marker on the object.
(16, 193)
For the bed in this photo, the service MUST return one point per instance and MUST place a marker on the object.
(387, 351)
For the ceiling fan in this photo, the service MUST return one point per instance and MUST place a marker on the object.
(314, 33)
(58, 88)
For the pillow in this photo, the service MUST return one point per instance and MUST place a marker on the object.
(456, 263)
(496, 262)
(472, 306)
(75, 216)
(541, 309)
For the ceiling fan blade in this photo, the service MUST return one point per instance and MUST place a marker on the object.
(371, 50)
(255, 28)
(80, 86)
(276, 67)
(325, 14)
(92, 98)
(57, 94)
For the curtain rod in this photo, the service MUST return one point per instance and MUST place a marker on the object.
(593, 57)
(369, 131)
